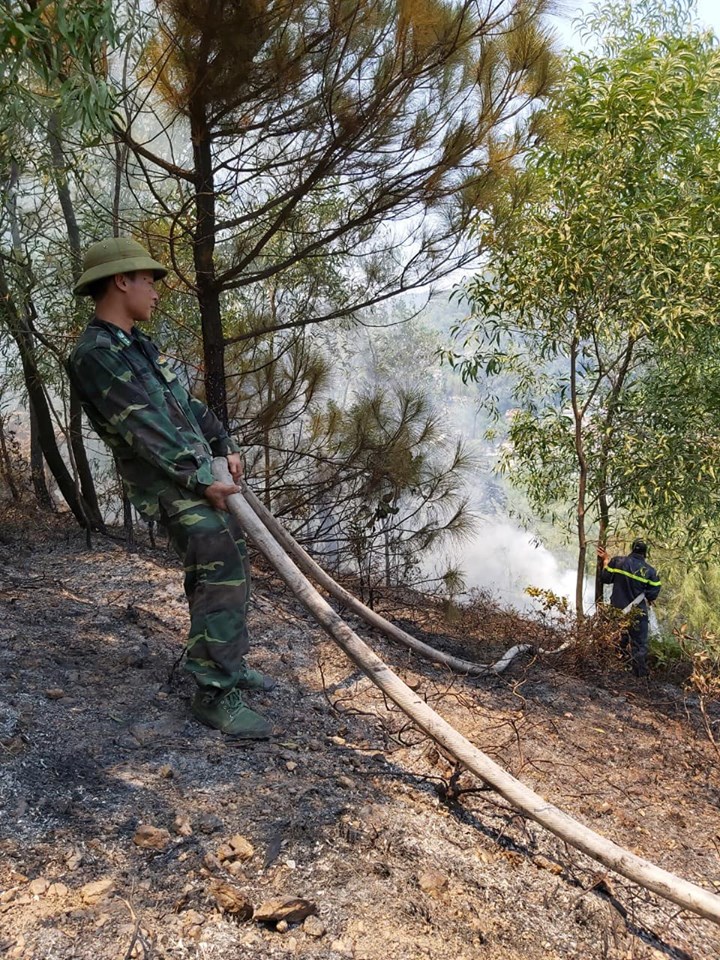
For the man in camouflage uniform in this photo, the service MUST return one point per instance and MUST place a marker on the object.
(164, 440)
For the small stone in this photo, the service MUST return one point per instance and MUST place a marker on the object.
(55, 693)
(292, 909)
(231, 900)
(291, 765)
(151, 838)
(38, 886)
(193, 918)
(241, 847)
(483, 927)
(166, 771)
(209, 823)
(102, 920)
(58, 890)
(345, 782)
(341, 947)
(211, 863)
(338, 741)
(73, 859)
(235, 868)
(314, 927)
(181, 826)
(126, 742)
(283, 926)
(96, 891)
(432, 882)
(17, 948)
(224, 852)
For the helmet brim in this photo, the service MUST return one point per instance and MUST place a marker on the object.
(126, 265)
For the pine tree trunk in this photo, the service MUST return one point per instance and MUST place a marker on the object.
(602, 541)
(128, 524)
(582, 485)
(37, 464)
(82, 465)
(7, 464)
(77, 445)
(266, 451)
(203, 255)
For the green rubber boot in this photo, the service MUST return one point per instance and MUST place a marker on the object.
(226, 711)
(254, 680)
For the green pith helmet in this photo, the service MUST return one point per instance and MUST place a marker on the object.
(115, 255)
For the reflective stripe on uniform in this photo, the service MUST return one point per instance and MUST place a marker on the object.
(634, 576)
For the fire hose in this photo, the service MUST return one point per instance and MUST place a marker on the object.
(688, 895)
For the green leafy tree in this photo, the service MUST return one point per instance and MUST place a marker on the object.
(606, 265)
(53, 56)
(57, 48)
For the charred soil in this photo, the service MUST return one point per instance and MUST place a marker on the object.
(131, 831)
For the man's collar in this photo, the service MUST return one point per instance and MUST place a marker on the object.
(120, 335)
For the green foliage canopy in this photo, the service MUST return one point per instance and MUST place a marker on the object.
(54, 53)
(605, 260)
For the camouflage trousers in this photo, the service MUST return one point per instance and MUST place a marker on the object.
(217, 586)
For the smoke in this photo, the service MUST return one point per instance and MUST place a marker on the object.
(504, 560)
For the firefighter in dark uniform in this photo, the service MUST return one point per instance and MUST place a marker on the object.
(635, 585)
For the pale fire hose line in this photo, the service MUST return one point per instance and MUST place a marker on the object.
(687, 895)
(313, 570)
(633, 603)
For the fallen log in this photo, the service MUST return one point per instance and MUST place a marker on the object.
(313, 570)
(685, 894)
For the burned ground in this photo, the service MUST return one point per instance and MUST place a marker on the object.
(348, 807)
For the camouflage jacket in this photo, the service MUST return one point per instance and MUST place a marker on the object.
(162, 438)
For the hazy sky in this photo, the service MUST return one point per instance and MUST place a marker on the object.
(708, 13)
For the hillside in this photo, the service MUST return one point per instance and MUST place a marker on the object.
(348, 807)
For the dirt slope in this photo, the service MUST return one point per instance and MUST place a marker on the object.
(348, 807)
